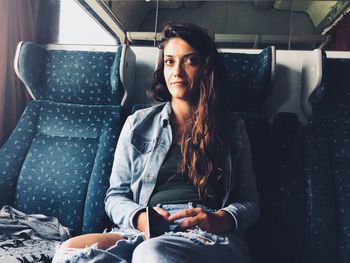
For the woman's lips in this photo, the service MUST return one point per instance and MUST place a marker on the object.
(179, 82)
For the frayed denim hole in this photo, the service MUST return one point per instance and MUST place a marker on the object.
(192, 237)
(85, 253)
(203, 237)
(125, 247)
(211, 236)
(129, 240)
(132, 235)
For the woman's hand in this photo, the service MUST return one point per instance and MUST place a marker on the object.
(141, 220)
(213, 222)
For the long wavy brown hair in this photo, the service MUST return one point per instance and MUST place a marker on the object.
(203, 142)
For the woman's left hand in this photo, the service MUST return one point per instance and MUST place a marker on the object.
(213, 222)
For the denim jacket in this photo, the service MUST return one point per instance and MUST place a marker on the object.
(143, 144)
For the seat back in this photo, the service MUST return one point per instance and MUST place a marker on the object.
(66, 162)
(59, 157)
(287, 169)
(327, 166)
(250, 77)
(251, 81)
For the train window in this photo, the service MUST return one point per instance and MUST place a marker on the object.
(78, 27)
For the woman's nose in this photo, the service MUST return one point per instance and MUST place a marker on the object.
(178, 69)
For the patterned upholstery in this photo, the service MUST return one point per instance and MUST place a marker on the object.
(320, 230)
(331, 98)
(58, 160)
(258, 131)
(277, 160)
(65, 165)
(85, 77)
(327, 167)
(250, 76)
(287, 170)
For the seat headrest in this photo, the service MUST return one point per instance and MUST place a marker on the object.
(250, 79)
(332, 96)
(74, 76)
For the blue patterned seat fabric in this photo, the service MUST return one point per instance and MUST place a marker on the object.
(84, 77)
(287, 175)
(258, 130)
(58, 160)
(331, 98)
(277, 159)
(66, 162)
(250, 79)
(327, 166)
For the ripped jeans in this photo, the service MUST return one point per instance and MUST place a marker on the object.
(193, 245)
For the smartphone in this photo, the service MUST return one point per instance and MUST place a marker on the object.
(156, 224)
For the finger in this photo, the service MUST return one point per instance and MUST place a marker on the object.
(188, 223)
(184, 213)
(204, 226)
(201, 220)
(162, 212)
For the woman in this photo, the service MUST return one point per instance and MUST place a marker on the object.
(187, 157)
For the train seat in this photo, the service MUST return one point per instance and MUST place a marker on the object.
(327, 166)
(251, 77)
(280, 230)
(57, 161)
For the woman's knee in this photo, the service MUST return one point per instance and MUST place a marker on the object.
(151, 250)
(103, 241)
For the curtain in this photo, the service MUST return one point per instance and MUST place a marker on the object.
(341, 35)
(20, 20)
(47, 25)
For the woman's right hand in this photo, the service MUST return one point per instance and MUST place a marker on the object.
(141, 221)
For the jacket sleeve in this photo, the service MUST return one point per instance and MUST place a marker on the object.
(243, 198)
(119, 204)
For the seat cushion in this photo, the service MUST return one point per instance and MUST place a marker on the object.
(67, 164)
(327, 168)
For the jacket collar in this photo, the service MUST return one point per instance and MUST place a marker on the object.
(165, 114)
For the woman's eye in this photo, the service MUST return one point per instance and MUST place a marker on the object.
(168, 62)
(193, 61)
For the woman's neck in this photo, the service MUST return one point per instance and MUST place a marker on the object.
(181, 112)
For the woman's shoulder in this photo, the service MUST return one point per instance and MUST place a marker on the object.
(146, 114)
(146, 110)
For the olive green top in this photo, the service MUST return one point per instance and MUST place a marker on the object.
(173, 187)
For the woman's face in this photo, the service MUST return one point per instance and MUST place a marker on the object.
(182, 67)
